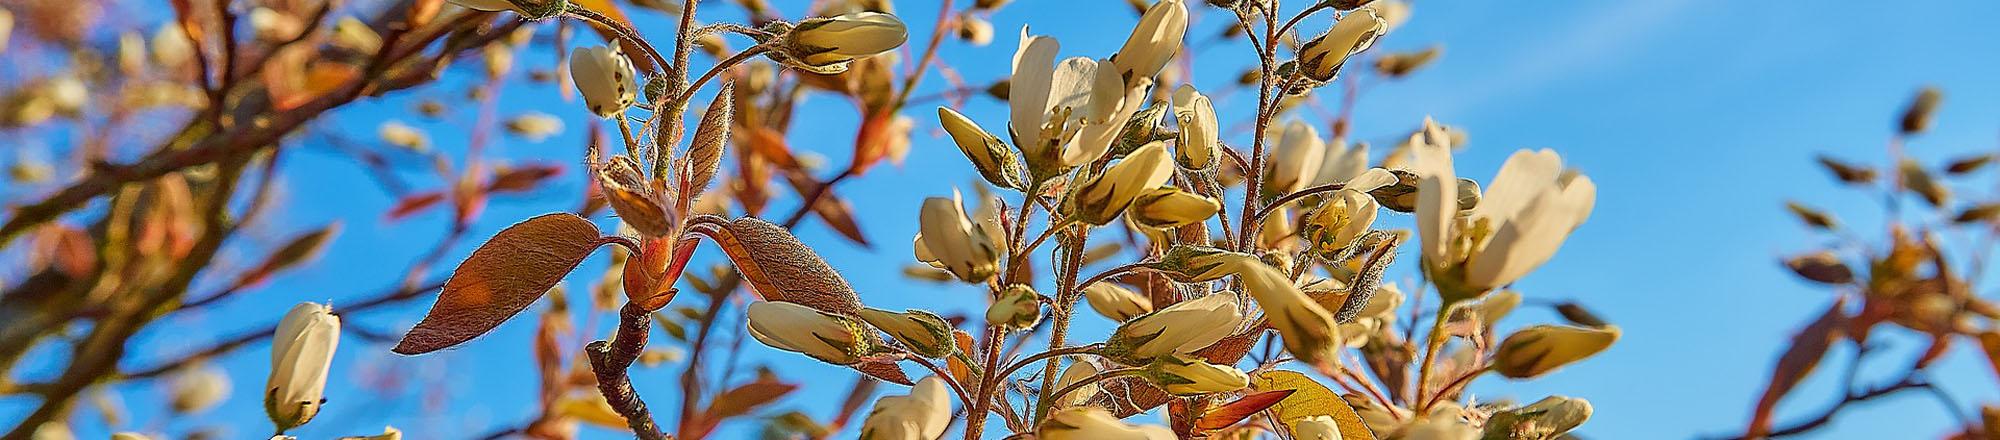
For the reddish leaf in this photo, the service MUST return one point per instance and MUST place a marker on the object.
(963, 372)
(744, 398)
(300, 249)
(1808, 347)
(837, 213)
(412, 204)
(502, 277)
(885, 370)
(522, 178)
(1227, 415)
(780, 268)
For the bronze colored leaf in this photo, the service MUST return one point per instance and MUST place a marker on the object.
(300, 249)
(1812, 216)
(1226, 415)
(502, 277)
(1847, 172)
(780, 268)
(1990, 341)
(744, 398)
(1310, 399)
(885, 370)
(696, 170)
(836, 212)
(1798, 361)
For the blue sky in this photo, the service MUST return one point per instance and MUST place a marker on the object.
(1697, 120)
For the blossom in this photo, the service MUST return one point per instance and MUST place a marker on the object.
(1101, 197)
(1177, 329)
(1067, 114)
(1536, 350)
(1078, 372)
(1017, 308)
(1296, 161)
(1316, 428)
(1321, 58)
(974, 30)
(198, 389)
(1169, 207)
(603, 75)
(921, 415)
(925, 333)
(1117, 303)
(1308, 329)
(1200, 134)
(831, 41)
(301, 355)
(1154, 41)
(992, 158)
(1093, 423)
(952, 241)
(825, 336)
(1524, 216)
(1188, 376)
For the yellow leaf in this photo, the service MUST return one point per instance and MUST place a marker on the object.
(1310, 399)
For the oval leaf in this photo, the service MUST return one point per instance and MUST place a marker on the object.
(501, 278)
(780, 268)
(1310, 399)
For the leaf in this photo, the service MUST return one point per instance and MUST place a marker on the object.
(522, 178)
(780, 268)
(1811, 216)
(747, 397)
(1798, 361)
(502, 277)
(696, 169)
(412, 204)
(300, 249)
(1227, 415)
(836, 212)
(1847, 172)
(1310, 399)
(1990, 342)
(963, 371)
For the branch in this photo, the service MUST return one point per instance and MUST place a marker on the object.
(610, 359)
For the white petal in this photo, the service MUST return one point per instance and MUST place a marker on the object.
(1437, 193)
(1528, 240)
(1525, 175)
(1028, 90)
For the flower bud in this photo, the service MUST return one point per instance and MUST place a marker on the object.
(1320, 59)
(1197, 264)
(388, 433)
(634, 197)
(1093, 423)
(1018, 308)
(198, 389)
(1308, 329)
(829, 41)
(925, 333)
(603, 75)
(1187, 376)
(994, 160)
(535, 126)
(1099, 200)
(825, 336)
(1169, 207)
(129, 436)
(1177, 329)
(1153, 42)
(301, 355)
(1316, 428)
(1078, 372)
(922, 414)
(1536, 350)
(1115, 302)
(1200, 134)
(1336, 223)
(975, 30)
(1296, 161)
(951, 241)
(1392, 12)
(403, 136)
(1550, 417)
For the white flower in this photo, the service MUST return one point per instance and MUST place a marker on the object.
(1078, 371)
(921, 415)
(1321, 58)
(129, 436)
(197, 389)
(1343, 162)
(993, 159)
(604, 76)
(171, 47)
(1532, 206)
(301, 355)
(535, 126)
(1103, 196)
(949, 240)
(403, 136)
(1169, 207)
(1200, 133)
(1154, 41)
(1065, 115)
(843, 38)
(1180, 328)
(1017, 308)
(6, 28)
(1093, 423)
(1316, 428)
(791, 327)
(925, 333)
(974, 30)
(1308, 329)
(1118, 303)
(1297, 160)
(1188, 376)
(1392, 12)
